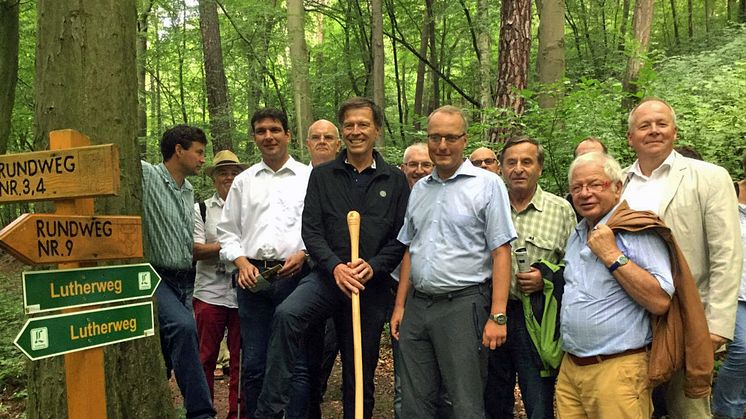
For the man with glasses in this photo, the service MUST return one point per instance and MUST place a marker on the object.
(322, 142)
(543, 222)
(451, 304)
(358, 179)
(215, 306)
(417, 163)
(614, 282)
(486, 159)
(260, 229)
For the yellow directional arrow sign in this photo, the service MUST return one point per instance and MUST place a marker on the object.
(58, 174)
(49, 238)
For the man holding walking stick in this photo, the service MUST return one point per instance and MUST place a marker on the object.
(358, 179)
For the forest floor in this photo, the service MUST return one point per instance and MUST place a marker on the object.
(13, 392)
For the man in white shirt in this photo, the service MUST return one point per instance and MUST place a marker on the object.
(261, 228)
(215, 306)
(696, 200)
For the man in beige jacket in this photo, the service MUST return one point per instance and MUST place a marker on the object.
(696, 200)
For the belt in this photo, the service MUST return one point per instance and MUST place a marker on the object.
(583, 361)
(470, 290)
(266, 264)
(177, 274)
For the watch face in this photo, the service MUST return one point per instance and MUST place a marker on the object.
(499, 318)
(622, 260)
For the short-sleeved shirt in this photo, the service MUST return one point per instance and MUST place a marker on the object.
(168, 218)
(543, 228)
(212, 283)
(598, 316)
(452, 226)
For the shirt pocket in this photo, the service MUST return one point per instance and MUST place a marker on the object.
(539, 248)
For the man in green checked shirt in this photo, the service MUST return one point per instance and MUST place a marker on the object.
(543, 222)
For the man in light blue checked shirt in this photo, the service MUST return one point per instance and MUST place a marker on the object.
(458, 232)
(613, 282)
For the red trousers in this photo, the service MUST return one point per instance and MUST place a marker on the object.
(212, 321)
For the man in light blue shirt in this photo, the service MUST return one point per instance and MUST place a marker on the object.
(458, 232)
(613, 282)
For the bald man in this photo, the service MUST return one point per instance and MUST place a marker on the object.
(486, 159)
(322, 141)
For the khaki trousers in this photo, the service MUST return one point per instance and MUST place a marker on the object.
(616, 388)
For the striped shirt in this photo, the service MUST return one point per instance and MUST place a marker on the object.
(543, 228)
(168, 218)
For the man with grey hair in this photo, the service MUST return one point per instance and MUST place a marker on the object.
(543, 222)
(416, 163)
(613, 282)
(456, 290)
(322, 142)
(696, 200)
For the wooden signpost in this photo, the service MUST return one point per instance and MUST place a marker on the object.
(74, 169)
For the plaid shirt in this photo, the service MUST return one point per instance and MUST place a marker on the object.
(168, 218)
(543, 228)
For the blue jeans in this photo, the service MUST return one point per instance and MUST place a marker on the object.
(178, 332)
(518, 355)
(255, 311)
(729, 391)
(316, 299)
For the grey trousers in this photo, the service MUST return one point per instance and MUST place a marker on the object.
(441, 342)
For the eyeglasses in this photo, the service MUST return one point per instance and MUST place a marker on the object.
(450, 138)
(488, 162)
(327, 138)
(423, 164)
(593, 187)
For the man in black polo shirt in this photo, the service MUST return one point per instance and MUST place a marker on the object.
(359, 179)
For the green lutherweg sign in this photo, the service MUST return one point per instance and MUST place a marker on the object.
(67, 288)
(43, 337)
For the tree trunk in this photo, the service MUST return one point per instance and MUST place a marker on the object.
(676, 38)
(8, 67)
(484, 45)
(623, 26)
(376, 46)
(419, 85)
(741, 11)
(400, 94)
(641, 25)
(218, 102)
(142, 102)
(690, 18)
(299, 69)
(435, 93)
(512, 76)
(86, 79)
(550, 59)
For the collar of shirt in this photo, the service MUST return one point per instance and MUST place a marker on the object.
(372, 165)
(742, 208)
(582, 226)
(465, 169)
(166, 176)
(289, 165)
(658, 172)
(537, 201)
(215, 201)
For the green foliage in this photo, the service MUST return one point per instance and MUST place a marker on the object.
(12, 361)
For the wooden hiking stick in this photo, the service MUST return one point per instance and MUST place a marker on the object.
(353, 224)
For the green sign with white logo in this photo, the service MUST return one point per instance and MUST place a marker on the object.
(43, 337)
(67, 288)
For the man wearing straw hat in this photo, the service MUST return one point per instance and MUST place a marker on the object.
(215, 306)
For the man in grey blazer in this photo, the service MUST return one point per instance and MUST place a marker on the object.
(696, 200)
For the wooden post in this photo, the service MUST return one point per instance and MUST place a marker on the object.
(84, 370)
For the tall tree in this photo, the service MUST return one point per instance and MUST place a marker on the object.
(86, 80)
(513, 54)
(142, 48)
(419, 86)
(218, 102)
(299, 68)
(642, 21)
(376, 46)
(484, 46)
(550, 59)
(8, 66)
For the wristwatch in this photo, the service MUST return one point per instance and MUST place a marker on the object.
(620, 261)
(499, 318)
